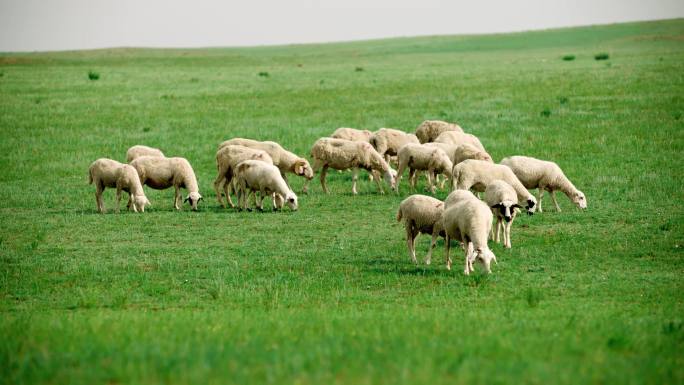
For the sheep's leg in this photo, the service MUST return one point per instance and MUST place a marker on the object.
(433, 243)
(555, 202)
(262, 195)
(431, 177)
(98, 198)
(410, 241)
(324, 171)
(507, 234)
(377, 178)
(355, 176)
(228, 189)
(498, 230)
(447, 245)
(412, 180)
(177, 198)
(118, 197)
(539, 199)
(219, 182)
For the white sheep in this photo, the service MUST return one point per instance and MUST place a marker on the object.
(162, 173)
(458, 138)
(285, 160)
(544, 175)
(388, 141)
(469, 221)
(340, 154)
(424, 158)
(352, 134)
(478, 174)
(429, 130)
(503, 201)
(226, 159)
(110, 173)
(421, 214)
(253, 176)
(140, 150)
(457, 196)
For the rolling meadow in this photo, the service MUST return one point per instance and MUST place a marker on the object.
(328, 294)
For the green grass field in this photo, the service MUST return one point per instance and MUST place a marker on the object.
(328, 294)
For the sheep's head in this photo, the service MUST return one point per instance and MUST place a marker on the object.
(485, 257)
(579, 199)
(507, 209)
(303, 168)
(531, 205)
(139, 203)
(441, 161)
(193, 199)
(390, 177)
(291, 201)
(482, 155)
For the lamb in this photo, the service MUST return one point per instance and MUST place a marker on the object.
(110, 173)
(341, 154)
(457, 196)
(455, 137)
(388, 141)
(421, 214)
(352, 134)
(421, 157)
(469, 221)
(162, 173)
(503, 201)
(226, 159)
(544, 175)
(285, 160)
(140, 150)
(478, 174)
(429, 130)
(256, 175)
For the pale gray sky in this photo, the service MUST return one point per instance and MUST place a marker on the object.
(38, 25)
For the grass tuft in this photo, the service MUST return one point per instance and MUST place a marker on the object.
(264, 74)
(601, 56)
(533, 297)
(92, 75)
(358, 69)
(569, 57)
(563, 100)
(546, 112)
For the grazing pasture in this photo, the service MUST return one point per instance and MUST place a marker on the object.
(328, 294)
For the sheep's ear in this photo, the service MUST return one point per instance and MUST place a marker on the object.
(497, 206)
(516, 206)
(186, 199)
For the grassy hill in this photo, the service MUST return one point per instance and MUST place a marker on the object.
(328, 294)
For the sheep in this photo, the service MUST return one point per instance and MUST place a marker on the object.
(162, 173)
(455, 137)
(110, 173)
(140, 150)
(421, 214)
(503, 201)
(421, 157)
(257, 175)
(457, 196)
(477, 174)
(341, 154)
(388, 141)
(544, 175)
(285, 160)
(469, 221)
(226, 159)
(352, 134)
(429, 130)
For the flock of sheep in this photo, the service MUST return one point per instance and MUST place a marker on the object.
(247, 167)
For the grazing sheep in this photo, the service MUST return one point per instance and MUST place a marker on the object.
(429, 130)
(503, 201)
(544, 175)
(421, 214)
(110, 173)
(468, 151)
(469, 221)
(458, 138)
(458, 196)
(162, 173)
(478, 174)
(388, 141)
(352, 134)
(285, 160)
(421, 157)
(341, 154)
(226, 159)
(140, 150)
(253, 176)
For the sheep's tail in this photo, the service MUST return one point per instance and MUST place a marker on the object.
(399, 215)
